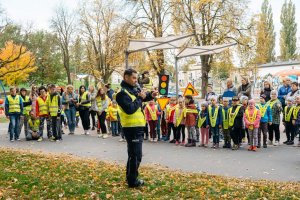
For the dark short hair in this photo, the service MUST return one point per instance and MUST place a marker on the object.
(190, 97)
(52, 86)
(129, 72)
(42, 88)
(295, 83)
(23, 89)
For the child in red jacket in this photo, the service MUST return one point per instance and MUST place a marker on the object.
(191, 119)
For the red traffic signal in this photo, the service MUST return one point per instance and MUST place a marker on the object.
(163, 84)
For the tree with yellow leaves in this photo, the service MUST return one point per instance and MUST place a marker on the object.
(16, 63)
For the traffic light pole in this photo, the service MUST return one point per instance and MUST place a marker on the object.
(126, 59)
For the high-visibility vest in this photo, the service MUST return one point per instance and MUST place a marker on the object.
(225, 118)
(14, 104)
(252, 118)
(213, 117)
(53, 105)
(181, 116)
(77, 113)
(149, 85)
(84, 97)
(232, 118)
(153, 113)
(26, 109)
(113, 113)
(296, 111)
(271, 103)
(170, 109)
(263, 109)
(43, 106)
(136, 119)
(34, 125)
(100, 102)
(287, 115)
(201, 120)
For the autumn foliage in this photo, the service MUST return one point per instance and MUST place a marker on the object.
(16, 63)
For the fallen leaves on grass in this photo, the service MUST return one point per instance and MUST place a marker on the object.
(27, 175)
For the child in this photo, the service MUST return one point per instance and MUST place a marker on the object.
(113, 117)
(287, 121)
(226, 131)
(235, 117)
(202, 125)
(252, 119)
(170, 119)
(151, 113)
(190, 122)
(33, 125)
(179, 118)
(276, 108)
(158, 121)
(266, 117)
(214, 120)
(296, 117)
(244, 132)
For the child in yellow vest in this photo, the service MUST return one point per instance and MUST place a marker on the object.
(151, 114)
(225, 124)
(33, 127)
(287, 121)
(252, 120)
(179, 118)
(113, 117)
(202, 125)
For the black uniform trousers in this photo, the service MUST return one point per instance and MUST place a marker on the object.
(134, 137)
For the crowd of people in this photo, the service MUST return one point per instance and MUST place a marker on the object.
(234, 116)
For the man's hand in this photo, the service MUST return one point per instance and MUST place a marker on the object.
(270, 123)
(142, 94)
(154, 93)
(294, 122)
(220, 126)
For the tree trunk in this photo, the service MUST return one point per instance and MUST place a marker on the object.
(204, 71)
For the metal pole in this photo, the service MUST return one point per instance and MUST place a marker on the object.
(176, 72)
(126, 59)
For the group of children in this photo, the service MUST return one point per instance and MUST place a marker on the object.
(233, 119)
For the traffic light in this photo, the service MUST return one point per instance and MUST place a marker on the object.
(163, 84)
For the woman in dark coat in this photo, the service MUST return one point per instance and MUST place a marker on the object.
(267, 90)
(245, 88)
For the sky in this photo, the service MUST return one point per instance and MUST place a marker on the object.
(39, 13)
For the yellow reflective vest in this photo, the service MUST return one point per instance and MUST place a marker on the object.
(34, 124)
(14, 104)
(27, 109)
(43, 106)
(136, 119)
(53, 105)
(84, 97)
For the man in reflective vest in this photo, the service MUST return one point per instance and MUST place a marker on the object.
(42, 111)
(288, 121)
(13, 110)
(54, 105)
(27, 108)
(132, 118)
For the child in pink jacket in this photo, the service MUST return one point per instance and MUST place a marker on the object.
(252, 120)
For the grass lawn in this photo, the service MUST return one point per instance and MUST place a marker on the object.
(26, 175)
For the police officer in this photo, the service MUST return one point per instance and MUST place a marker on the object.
(132, 118)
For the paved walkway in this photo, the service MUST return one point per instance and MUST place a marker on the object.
(274, 163)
